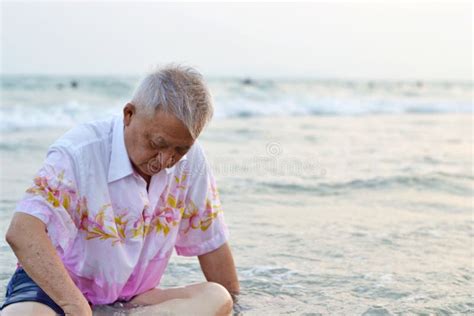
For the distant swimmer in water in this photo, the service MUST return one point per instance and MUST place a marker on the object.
(248, 81)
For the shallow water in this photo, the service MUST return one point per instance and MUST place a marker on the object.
(366, 215)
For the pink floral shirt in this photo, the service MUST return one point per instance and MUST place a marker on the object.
(114, 237)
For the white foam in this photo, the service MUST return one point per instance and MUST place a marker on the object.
(39, 104)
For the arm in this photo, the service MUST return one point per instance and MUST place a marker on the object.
(218, 266)
(29, 241)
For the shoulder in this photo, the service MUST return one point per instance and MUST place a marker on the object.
(92, 137)
(86, 147)
(198, 168)
(196, 159)
(86, 134)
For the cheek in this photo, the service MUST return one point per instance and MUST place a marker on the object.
(138, 155)
(133, 145)
(143, 157)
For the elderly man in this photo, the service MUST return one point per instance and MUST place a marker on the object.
(111, 202)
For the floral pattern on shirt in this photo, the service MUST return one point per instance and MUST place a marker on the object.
(196, 219)
(170, 210)
(57, 195)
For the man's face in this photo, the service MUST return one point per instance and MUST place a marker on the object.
(155, 141)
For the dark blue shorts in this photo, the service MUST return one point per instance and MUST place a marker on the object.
(22, 288)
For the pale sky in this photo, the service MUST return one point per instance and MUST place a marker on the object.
(367, 40)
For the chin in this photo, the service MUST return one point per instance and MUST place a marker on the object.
(150, 173)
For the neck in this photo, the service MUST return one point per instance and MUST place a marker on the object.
(145, 177)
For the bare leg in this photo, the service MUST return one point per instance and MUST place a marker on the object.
(27, 309)
(206, 298)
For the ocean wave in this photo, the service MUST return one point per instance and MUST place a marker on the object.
(37, 102)
(66, 115)
(433, 182)
(18, 117)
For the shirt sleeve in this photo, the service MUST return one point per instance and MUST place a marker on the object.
(52, 198)
(202, 228)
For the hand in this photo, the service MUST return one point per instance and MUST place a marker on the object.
(80, 307)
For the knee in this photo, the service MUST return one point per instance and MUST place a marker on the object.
(27, 308)
(221, 298)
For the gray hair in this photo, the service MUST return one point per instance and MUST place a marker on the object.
(178, 90)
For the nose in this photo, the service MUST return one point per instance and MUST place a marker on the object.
(160, 161)
(166, 158)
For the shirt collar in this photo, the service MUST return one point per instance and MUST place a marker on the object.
(120, 165)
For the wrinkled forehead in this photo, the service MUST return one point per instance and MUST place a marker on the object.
(165, 126)
(169, 136)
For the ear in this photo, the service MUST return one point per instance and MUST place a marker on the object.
(128, 111)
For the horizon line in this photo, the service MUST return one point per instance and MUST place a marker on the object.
(251, 77)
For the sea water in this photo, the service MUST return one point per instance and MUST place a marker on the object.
(342, 197)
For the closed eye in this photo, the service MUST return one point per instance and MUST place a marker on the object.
(158, 146)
